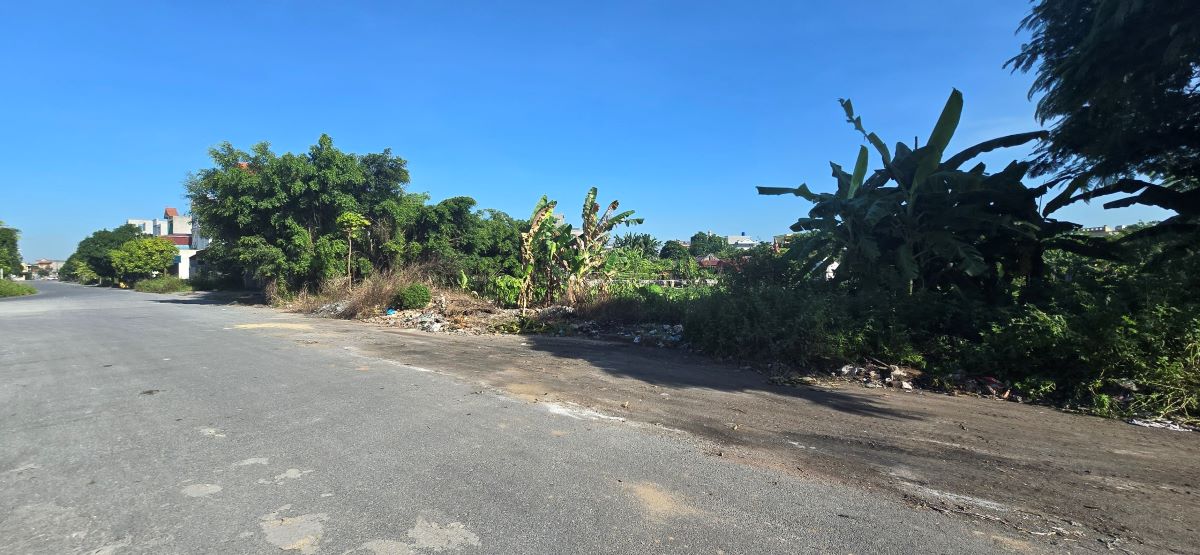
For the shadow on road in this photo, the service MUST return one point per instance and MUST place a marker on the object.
(217, 298)
(673, 368)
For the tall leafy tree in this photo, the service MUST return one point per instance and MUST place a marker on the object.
(275, 216)
(351, 223)
(1120, 82)
(703, 243)
(94, 251)
(10, 255)
(641, 242)
(1120, 85)
(557, 261)
(142, 257)
(673, 250)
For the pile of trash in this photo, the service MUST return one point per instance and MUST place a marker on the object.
(872, 374)
(558, 320)
(331, 310)
(654, 335)
(877, 374)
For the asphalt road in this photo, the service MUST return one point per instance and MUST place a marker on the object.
(137, 423)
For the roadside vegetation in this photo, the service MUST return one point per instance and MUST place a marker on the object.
(10, 264)
(9, 288)
(10, 255)
(914, 254)
(162, 284)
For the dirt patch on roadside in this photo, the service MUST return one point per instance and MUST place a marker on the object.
(659, 503)
(1072, 480)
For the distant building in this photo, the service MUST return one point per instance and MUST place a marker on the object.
(710, 261)
(43, 266)
(741, 242)
(780, 242)
(172, 223)
(1104, 230)
(178, 229)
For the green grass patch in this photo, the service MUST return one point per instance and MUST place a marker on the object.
(162, 284)
(14, 289)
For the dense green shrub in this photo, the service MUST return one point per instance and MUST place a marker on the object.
(10, 288)
(211, 281)
(162, 284)
(505, 289)
(808, 329)
(1114, 361)
(412, 297)
(1101, 341)
(630, 304)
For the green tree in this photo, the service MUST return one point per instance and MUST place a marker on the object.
(643, 242)
(74, 269)
(1118, 79)
(557, 261)
(351, 223)
(10, 254)
(276, 215)
(94, 250)
(673, 250)
(143, 257)
(707, 243)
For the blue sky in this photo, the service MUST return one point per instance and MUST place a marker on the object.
(678, 109)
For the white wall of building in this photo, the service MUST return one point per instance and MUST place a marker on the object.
(185, 262)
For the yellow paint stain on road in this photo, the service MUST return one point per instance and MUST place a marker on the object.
(273, 326)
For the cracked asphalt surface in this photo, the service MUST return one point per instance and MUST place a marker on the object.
(138, 423)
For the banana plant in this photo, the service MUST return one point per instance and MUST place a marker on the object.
(922, 221)
(539, 227)
(585, 254)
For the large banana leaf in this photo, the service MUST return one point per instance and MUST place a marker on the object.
(860, 172)
(1006, 141)
(943, 131)
(802, 191)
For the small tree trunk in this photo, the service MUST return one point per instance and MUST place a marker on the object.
(349, 253)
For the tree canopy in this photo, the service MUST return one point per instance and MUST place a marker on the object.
(143, 257)
(93, 252)
(641, 242)
(275, 216)
(673, 250)
(1120, 83)
(703, 243)
(10, 255)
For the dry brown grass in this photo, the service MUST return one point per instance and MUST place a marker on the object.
(373, 295)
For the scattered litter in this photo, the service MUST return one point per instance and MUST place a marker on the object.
(1161, 424)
